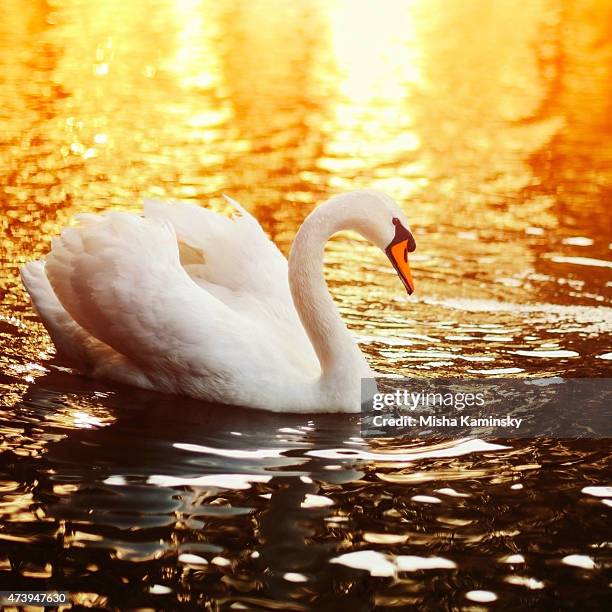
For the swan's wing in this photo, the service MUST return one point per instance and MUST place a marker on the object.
(119, 277)
(234, 253)
(235, 261)
(71, 341)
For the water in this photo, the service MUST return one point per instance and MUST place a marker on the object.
(490, 126)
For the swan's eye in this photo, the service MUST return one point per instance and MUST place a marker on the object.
(403, 234)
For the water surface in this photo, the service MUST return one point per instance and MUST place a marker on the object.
(491, 127)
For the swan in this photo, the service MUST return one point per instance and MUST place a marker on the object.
(186, 301)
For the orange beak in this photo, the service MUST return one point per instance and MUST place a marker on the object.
(397, 252)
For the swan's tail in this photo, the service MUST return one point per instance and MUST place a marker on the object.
(64, 332)
(119, 277)
(71, 341)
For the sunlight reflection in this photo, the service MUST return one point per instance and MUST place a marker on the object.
(82, 420)
(378, 63)
(222, 481)
(455, 449)
(489, 125)
(373, 44)
(195, 61)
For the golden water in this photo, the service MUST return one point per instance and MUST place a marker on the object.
(490, 123)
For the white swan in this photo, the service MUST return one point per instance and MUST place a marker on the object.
(187, 301)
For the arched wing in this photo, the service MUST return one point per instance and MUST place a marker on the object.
(233, 253)
(119, 277)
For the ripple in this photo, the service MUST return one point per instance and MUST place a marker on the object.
(462, 338)
(578, 241)
(530, 583)
(116, 480)
(412, 563)
(374, 562)
(193, 560)
(481, 596)
(581, 261)
(160, 589)
(426, 499)
(583, 313)
(380, 564)
(598, 491)
(460, 448)
(547, 354)
(222, 481)
(316, 501)
(451, 492)
(384, 538)
(220, 561)
(233, 453)
(294, 577)
(497, 371)
(582, 561)
(513, 559)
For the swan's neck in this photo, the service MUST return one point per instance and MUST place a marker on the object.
(338, 353)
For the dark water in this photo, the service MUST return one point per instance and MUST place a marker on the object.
(491, 126)
(138, 505)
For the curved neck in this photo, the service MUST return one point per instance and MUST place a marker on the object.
(337, 351)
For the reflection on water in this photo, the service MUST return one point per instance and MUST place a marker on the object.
(123, 500)
(490, 125)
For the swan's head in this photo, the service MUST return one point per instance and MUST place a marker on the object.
(384, 223)
(375, 215)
